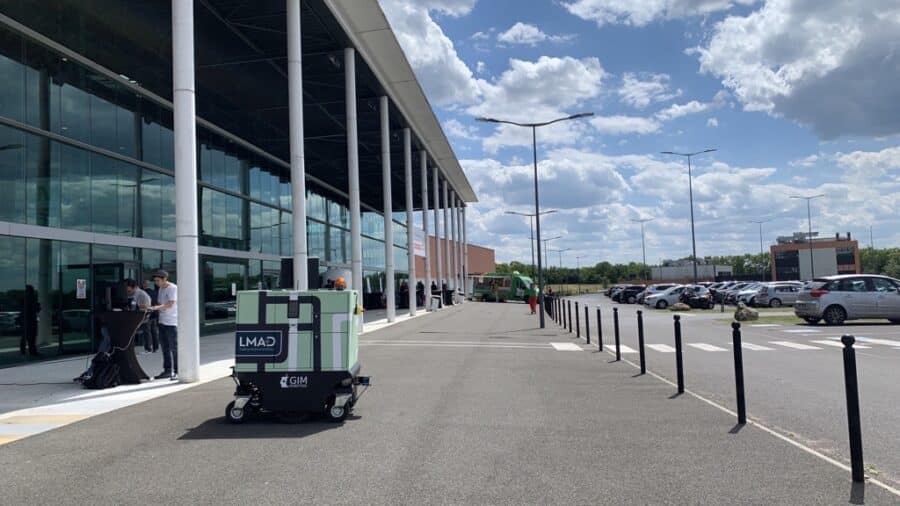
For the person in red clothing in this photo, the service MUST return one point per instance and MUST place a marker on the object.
(532, 298)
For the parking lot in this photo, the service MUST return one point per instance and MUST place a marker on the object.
(793, 372)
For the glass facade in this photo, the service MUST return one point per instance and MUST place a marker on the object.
(82, 152)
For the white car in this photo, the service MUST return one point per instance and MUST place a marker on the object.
(747, 295)
(666, 298)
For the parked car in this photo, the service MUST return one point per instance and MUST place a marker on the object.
(652, 290)
(849, 297)
(779, 294)
(666, 298)
(732, 291)
(747, 295)
(697, 297)
(615, 289)
(628, 294)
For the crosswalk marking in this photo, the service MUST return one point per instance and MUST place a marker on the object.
(566, 347)
(871, 340)
(756, 347)
(801, 331)
(838, 344)
(663, 348)
(625, 349)
(765, 325)
(706, 347)
(796, 346)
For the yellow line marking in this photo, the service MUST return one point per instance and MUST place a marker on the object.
(43, 419)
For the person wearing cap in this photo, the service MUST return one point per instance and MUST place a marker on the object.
(167, 299)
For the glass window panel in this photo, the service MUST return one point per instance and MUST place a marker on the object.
(42, 181)
(232, 173)
(12, 174)
(167, 188)
(75, 105)
(75, 205)
(315, 206)
(104, 194)
(315, 239)
(126, 130)
(151, 205)
(127, 198)
(12, 93)
(12, 287)
(103, 118)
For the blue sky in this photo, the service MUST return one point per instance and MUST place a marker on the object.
(798, 96)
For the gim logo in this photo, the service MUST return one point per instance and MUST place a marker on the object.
(288, 381)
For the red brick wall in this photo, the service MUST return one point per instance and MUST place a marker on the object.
(481, 260)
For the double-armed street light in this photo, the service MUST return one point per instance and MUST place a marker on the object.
(760, 223)
(691, 196)
(809, 238)
(537, 206)
(643, 247)
(531, 228)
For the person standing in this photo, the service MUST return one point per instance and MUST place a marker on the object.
(532, 298)
(167, 297)
(151, 330)
(29, 322)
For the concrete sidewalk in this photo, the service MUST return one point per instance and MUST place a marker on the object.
(41, 396)
(473, 405)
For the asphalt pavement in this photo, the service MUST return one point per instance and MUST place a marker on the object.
(793, 374)
(473, 405)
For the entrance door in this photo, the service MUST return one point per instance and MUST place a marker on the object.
(75, 298)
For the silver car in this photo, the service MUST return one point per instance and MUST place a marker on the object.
(778, 294)
(849, 297)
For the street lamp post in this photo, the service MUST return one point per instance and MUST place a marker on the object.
(546, 242)
(644, 248)
(812, 268)
(578, 271)
(760, 223)
(531, 229)
(537, 206)
(691, 196)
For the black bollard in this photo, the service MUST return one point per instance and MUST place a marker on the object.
(569, 313)
(616, 331)
(852, 388)
(739, 372)
(577, 321)
(587, 324)
(599, 330)
(640, 321)
(679, 365)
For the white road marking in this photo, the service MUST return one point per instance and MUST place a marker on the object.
(706, 347)
(457, 345)
(796, 346)
(662, 348)
(566, 347)
(801, 331)
(756, 347)
(765, 325)
(838, 344)
(624, 349)
(871, 340)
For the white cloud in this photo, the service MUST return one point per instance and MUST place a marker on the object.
(480, 67)
(807, 161)
(618, 125)
(831, 64)
(539, 90)
(524, 33)
(643, 12)
(712, 122)
(869, 165)
(446, 79)
(640, 90)
(454, 128)
(676, 111)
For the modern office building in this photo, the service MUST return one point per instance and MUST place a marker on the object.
(117, 143)
(830, 255)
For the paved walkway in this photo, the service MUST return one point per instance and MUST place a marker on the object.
(38, 397)
(472, 405)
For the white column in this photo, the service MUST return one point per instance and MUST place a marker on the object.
(447, 256)
(437, 228)
(458, 257)
(353, 169)
(298, 168)
(465, 252)
(388, 204)
(423, 162)
(410, 229)
(186, 251)
(453, 250)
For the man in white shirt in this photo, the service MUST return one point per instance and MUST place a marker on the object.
(167, 300)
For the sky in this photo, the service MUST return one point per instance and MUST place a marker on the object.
(799, 97)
